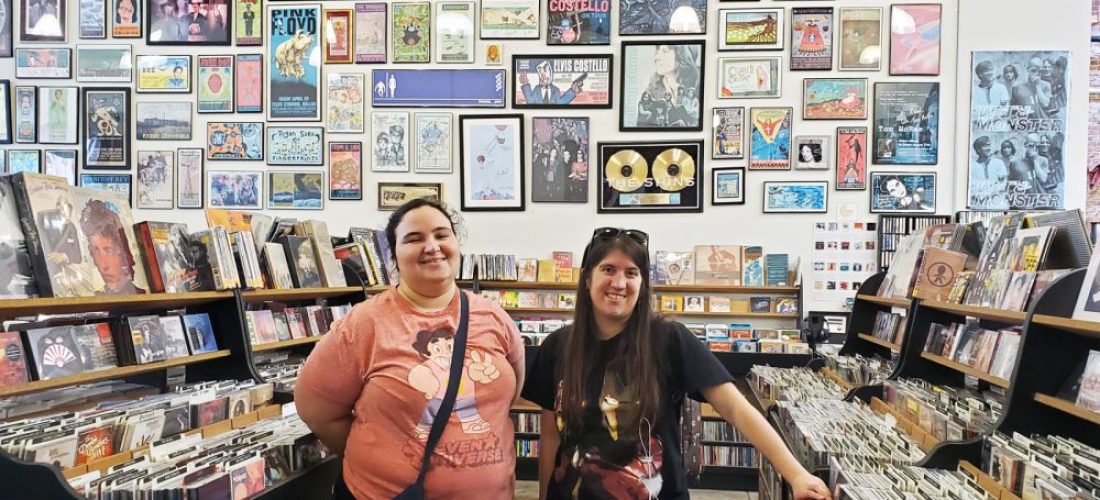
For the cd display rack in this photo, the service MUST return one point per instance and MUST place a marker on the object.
(892, 228)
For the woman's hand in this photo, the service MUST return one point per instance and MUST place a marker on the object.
(810, 487)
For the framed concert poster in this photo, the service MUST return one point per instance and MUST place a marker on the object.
(163, 121)
(104, 63)
(249, 22)
(43, 20)
(189, 178)
(915, 39)
(60, 163)
(106, 113)
(813, 152)
(91, 19)
(851, 158)
(249, 87)
(578, 23)
(26, 114)
(5, 112)
(235, 141)
(454, 26)
(293, 82)
(903, 192)
(390, 130)
(907, 123)
(370, 35)
(834, 99)
(562, 81)
(560, 159)
(660, 17)
(811, 38)
(650, 177)
(796, 197)
(191, 22)
(504, 19)
(491, 162)
(727, 186)
(296, 190)
(859, 39)
(650, 69)
(235, 189)
(412, 29)
(44, 63)
(751, 29)
(156, 170)
(433, 142)
(118, 183)
(345, 103)
(215, 84)
(750, 77)
(727, 133)
(394, 194)
(336, 44)
(56, 108)
(164, 74)
(126, 18)
(770, 138)
(345, 171)
(296, 146)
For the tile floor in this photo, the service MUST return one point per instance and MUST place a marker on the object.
(529, 490)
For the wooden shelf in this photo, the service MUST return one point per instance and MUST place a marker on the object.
(524, 405)
(110, 373)
(520, 285)
(961, 368)
(569, 287)
(879, 342)
(537, 310)
(288, 294)
(731, 315)
(884, 301)
(1068, 407)
(977, 312)
(14, 308)
(987, 483)
(1087, 328)
(283, 344)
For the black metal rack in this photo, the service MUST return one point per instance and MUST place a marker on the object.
(892, 227)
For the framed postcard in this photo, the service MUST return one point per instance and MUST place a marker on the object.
(117, 183)
(907, 123)
(813, 152)
(491, 162)
(727, 186)
(189, 178)
(494, 53)
(438, 88)
(578, 23)
(249, 22)
(727, 127)
(745, 78)
(92, 19)
(454, 25)
(915, 39)
(155, 173)
(296, 146)
(163, 121)
(851, 158)
(5, 112)
(26, 114)
(559, 159)
(190, 22)
(860, 39)
(650, 71)
(391, 146)
(650, 177)
(345, 171)
(44, 63)
(249, 87)
(126, 18)
(42, 20)
(503, 19)
(433, 142)
(215, 84)
(562, 81)
(811, 38)
(60, 163)
(903, 192)
(295, 190)
(834, 99)
(370, 37)
(56, 108)
(104, 63)
(345, 103)
(336, 44)
(106, 127)
(751, 29)
(412, 28)
(235, 141)
(394, 194)
(293, 82)
(660, 17)
(770, 143)
(164, 74)
(234, 189)
(24, 160)
(796, 197)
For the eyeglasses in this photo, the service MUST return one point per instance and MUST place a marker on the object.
(609, 233)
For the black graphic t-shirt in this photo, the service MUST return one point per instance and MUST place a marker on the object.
(608, 457)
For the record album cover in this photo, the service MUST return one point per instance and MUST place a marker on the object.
(97, 346)
(200, 333)
(13, 361)
(16, 276)
(175, 341)
(718, 265)
(148, 338)
(55, 353)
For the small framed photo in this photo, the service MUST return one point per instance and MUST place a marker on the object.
(494, 53)
(105, 63)
(433, 143)
(61, 163)
(562, 81)
(749, 78)
(296, 190)
(126, 17)
(249, 87)
(370, 33)
(189, 177)
(390, 131)
(650, 70)
(770, 144)
(796, 197)
(24, 160)
(903, 192)
(294, 146)
(394, 194)
(751, 29)
(834, 99)
(727, 133)
(26, 114)
(508, 19)
(44, 63)
(491, 162)
(118, 183)
(345, 104)
(234, 189)
(915, 39)
(658, 17)
(164, 74)
(454, 26)
(412, 31)
(571, 23)
(811, 38)
(215, 84)
(851, 158)
(194, 22)
(860, 39)
(92, 19)
(155, 173)
(106, 127)
(345, 171)
(235, 141)
(57, 106)
(5, 112)
(42, 20)
(163, 121)
(339, 26)
(728, 186)
(248, 28)
(813, 152)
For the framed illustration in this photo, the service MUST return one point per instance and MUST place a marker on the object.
(42, 20)
(650, 69)
(5, 112)
(126, 18)
(391, 140)
(106, 127)
(345, 111)
(56, 108)
(296, 146)
(559, 159)
(562, 81)
(394, 194)
(155, 173)
(578, 23)
(433, 142)
(813, 152)
(751, 29)
(24, 160)
(770, 138)
(215, 84)
(189, 178)
(504, 19)
(163, 121)
(45, 63)
(727, 133)
(650, 177)
(7, 41)
(851, 158)
(345, 171)
(26, 114)
(796, 197)
(491, 162)
(295, 190)
(746, 78)
(117, 183)
(727, 186)
(249, 87)
(438, 88)
(915, 39)
(834, 99)
(235, 141)
(293, 80)
(234, 189)
(454, 25)
(336, 44)
(104, 63)
(811, 38)
(906, 123)
(190, 22)
(494, 53)
(60, 163)
(91, 19)
(903, 192)
(860, 39)
(248, 22)
(164, 74)
(370, 37)
(412, 29)
(660, 17)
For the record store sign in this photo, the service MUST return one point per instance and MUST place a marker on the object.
(654, 177)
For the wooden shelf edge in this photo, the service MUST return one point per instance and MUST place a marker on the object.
(271, 346)
(10, 308)
(572, 286)
(879, 342)
(253, 296)
(1068, 407)
(1083, 327)
(110, 373)
(964, 369)
(884, 301)
(731, 315)
(987, 483)
(977, 312)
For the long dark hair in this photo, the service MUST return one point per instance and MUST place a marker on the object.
(636, 357)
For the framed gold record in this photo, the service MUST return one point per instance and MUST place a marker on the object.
(650, 177)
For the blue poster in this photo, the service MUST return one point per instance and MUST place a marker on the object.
(907, 123)
(294, 72)
(900, 192)
(796, 196)
(441, 88)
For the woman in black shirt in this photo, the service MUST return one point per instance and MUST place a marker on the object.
(612, 385)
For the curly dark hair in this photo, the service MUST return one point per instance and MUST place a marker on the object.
(425, 337)
(97, 219)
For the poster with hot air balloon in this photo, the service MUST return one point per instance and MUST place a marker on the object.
(492, 162)
(915, 39)
(771, 138)
(215, 84)
(812, 38)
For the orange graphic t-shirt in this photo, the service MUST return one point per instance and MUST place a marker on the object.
(391, 363)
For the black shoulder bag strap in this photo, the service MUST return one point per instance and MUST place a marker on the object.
(458, 358)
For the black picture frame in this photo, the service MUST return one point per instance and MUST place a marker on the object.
(273, 129)
(692, 195)
(583, 77)
(516, 121)
(102, 118)
(643, 27)
(641, 85)
(823, 185)
(714, 174)
(6, 133)
(60, 8)
(7, 38)
(63, 72)
(202, 177)
(153, 6)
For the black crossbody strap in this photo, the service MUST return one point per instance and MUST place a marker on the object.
(458, 358)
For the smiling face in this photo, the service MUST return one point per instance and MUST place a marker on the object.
(427, 249)
(613, 287)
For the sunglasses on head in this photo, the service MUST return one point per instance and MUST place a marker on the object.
(610, 233)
